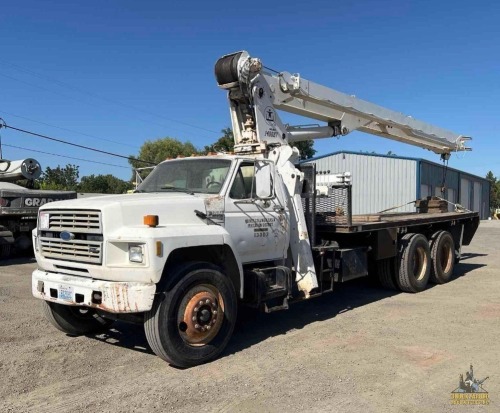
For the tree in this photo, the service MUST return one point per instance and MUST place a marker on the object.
(103, 184)
(495, 190)
(59, 178)
(305, 148)
(157, 151)
(224, 144)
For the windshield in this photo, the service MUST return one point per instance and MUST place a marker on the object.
(188, 175)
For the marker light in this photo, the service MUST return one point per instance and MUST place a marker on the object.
(151, 220)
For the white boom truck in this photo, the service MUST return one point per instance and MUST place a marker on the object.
(202, 234)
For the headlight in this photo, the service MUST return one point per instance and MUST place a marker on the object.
(135, 253)
(43, 220)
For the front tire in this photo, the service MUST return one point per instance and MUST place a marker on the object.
(191, 322)
(74, 321)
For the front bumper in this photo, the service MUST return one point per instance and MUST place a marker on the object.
(116, 297)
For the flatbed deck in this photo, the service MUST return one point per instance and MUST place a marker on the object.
(371, 222)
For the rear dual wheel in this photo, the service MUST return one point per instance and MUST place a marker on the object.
(414, 264)
(5, 250)
(386, 273)
(420, 262)
(443, 257)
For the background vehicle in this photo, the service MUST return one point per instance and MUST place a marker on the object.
(19, 205)
(204, 233)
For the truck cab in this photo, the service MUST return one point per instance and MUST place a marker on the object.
(109, 256)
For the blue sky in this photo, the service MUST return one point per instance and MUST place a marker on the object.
(116, 73)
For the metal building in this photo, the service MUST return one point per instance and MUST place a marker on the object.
(380, 182)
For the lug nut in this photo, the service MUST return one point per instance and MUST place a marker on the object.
(195, 309)
(207, 301)
(214, 312)
(196, 326)
(201, 303)
(194, 318)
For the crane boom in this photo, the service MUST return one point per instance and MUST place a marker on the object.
(255, 95)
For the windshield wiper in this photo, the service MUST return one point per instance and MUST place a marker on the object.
(177, 189)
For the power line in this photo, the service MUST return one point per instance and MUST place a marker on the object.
(69, 130)
(94, 95)
(46, 89)
(64, 156)
(148, 122)
(74, 144)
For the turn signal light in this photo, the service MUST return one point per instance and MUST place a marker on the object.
(151, 220)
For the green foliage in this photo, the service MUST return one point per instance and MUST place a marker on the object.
(494, 190)
(66, 179)
(103, 184)
(159, 150)
(59, 178)
(224, 144)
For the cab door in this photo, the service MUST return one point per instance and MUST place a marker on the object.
(258, 227)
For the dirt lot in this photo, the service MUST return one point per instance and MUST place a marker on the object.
(359, 349)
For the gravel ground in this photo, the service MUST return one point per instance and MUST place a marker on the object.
(359, 349)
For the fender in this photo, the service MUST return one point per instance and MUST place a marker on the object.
(179, 237)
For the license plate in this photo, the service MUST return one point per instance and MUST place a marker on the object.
(66, 293)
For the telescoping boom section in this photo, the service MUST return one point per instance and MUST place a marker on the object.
(255, 94)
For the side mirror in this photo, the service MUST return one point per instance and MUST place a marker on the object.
(264, 179)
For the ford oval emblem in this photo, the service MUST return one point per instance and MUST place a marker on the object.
(67, 236)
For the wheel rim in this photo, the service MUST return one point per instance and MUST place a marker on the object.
(200, 315)
(446, 256)
(419, 263)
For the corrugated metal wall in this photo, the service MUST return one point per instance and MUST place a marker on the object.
(432, 175)
(472, 192)
(485, 201)
(378, 182)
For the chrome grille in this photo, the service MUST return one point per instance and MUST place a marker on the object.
(84, 225)
(75, 250)
(86, 222)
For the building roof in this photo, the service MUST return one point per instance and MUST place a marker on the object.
(361, 153)
(391, 157)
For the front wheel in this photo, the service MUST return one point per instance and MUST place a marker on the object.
(73, 320)
(192, 322)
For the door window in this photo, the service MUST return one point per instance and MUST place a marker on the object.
(244, 183)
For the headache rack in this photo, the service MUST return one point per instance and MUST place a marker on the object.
(326, 199)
